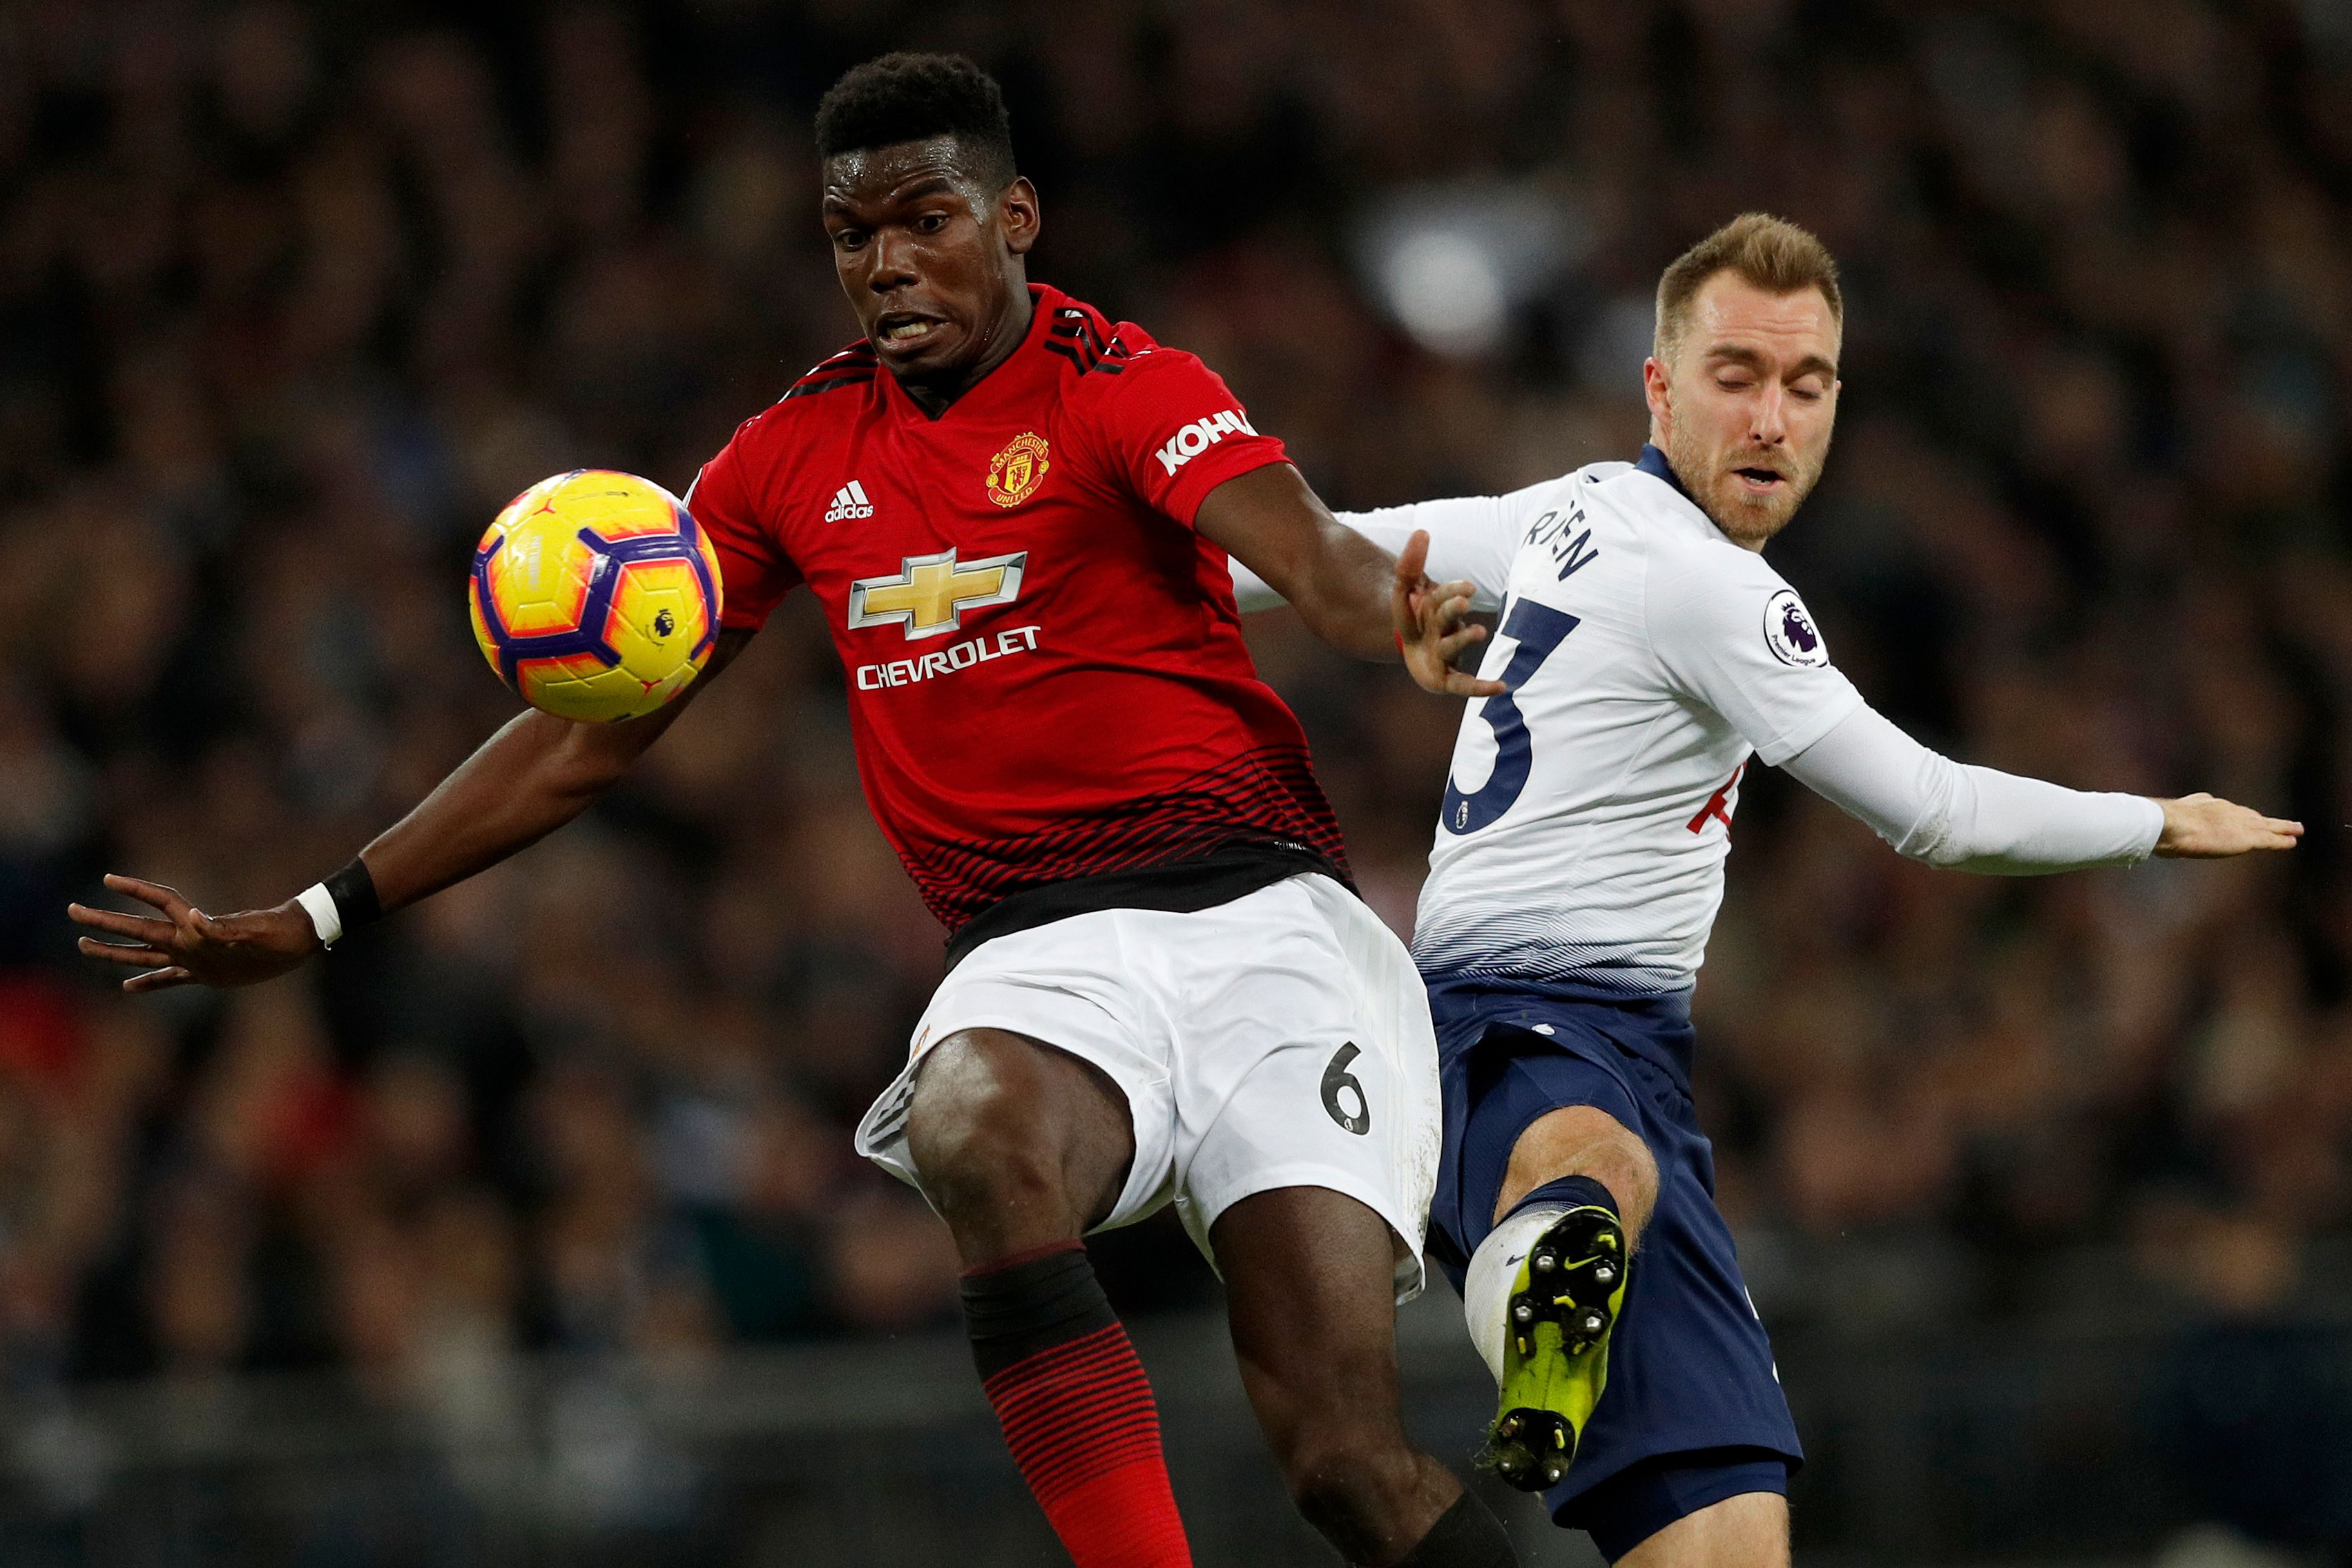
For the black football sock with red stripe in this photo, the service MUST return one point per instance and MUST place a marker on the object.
(1075, 1408)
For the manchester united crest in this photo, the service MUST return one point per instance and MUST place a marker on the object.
(1014, 474)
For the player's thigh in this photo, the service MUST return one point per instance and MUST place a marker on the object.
(1017, 1143)
(1308, 1278)
(1037, 1075)
(1749, 1531)
(1308, 1275)
(1310, 1062)
(1510, 1084)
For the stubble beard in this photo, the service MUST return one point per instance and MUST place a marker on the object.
(1745, 520)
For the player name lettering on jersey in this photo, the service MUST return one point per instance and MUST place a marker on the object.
(1200, 435)
(963, 657)
(1557, 532)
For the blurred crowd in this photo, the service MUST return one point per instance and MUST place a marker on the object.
(293, 298)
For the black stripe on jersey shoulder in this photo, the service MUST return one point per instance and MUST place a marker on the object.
(853, 366)
(1070, 323)
(1073, 336)
(860, 351)
(809, 386)
(1086, 366)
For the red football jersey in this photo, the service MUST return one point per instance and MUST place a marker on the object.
(1046, 674)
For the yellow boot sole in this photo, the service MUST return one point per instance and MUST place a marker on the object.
(1564, 1304)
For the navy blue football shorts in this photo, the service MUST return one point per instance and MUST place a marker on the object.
(1693, 1412)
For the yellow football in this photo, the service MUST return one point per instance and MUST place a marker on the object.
(595, 595)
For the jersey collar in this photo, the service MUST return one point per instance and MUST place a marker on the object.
(1653, 462)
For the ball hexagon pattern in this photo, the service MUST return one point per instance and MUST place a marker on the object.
(595, 595)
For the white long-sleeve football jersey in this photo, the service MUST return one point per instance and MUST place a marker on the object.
(1589, 809)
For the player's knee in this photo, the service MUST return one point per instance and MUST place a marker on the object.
(1350, 1472)
(1746, 1530)
(1630, 1173)
(1348, 1484)
(983, 1148)
(1583, 1140)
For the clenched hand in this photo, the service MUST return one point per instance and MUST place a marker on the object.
(1429, 626)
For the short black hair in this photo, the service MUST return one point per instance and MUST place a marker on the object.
(909, 97)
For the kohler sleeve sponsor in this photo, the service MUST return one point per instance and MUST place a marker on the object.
(1201, 434)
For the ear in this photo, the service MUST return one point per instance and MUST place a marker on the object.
(1658, 392)
(1017, 215)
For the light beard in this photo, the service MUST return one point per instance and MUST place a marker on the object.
(1743, 523)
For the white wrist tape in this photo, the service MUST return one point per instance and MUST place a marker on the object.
(325, 919)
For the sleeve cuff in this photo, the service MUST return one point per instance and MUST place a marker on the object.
(1184, 498)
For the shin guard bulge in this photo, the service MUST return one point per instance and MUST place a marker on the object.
(1544, 1291)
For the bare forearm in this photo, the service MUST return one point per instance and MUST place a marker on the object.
(527, 780)
(1336, 580)
(1346, 602)
(524, 783)
(1350, 592)
(530, 779)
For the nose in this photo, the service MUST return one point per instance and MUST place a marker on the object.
(1770, 426)
(888, 266)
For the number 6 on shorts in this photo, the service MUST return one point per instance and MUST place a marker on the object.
(1337, 1078)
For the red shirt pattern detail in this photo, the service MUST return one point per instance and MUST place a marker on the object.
(1046, 675)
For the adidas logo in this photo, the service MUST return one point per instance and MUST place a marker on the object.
(849, 501)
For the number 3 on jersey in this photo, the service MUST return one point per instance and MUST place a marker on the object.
(1540, 629)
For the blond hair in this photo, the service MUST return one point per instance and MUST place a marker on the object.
(1773, 254)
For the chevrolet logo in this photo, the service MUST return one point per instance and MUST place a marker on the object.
(931, 592)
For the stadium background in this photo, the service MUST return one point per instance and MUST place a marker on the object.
(526, 1227)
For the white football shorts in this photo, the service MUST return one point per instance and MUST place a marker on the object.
(1280, 1040)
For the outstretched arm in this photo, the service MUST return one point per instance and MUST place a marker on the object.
(1471, 539)
(530, 779)
(1978, 818)
(1347, 590)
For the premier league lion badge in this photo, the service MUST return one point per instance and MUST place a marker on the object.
(1790, 632)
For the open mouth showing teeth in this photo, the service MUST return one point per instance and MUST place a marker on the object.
(906, 330)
